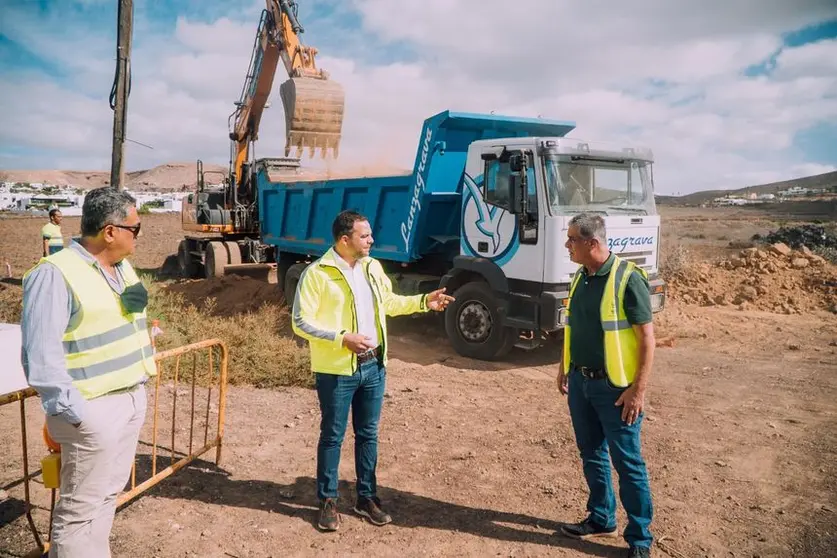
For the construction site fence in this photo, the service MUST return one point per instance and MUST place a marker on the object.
(216, 364)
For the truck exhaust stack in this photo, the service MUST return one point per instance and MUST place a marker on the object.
(313, 115)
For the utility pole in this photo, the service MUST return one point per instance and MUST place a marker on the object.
(121, 89)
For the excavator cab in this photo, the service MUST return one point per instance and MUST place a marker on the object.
(313, 115)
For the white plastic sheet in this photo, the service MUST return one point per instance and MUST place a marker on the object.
(12, 378)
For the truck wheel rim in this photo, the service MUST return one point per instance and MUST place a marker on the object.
(475, 321)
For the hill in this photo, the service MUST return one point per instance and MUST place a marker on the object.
(817, 181)
(163, 178)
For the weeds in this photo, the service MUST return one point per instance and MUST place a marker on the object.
(259, 355)
(674, 261)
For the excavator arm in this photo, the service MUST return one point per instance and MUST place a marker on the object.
(312, 102)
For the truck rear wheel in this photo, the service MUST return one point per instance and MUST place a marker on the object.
(474, 325)
(291, 281)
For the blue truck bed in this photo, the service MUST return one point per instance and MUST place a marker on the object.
(412, 215)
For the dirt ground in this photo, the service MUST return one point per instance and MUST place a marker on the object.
(479, 459)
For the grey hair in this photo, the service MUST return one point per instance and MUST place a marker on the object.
(590, 226)
(104, 206)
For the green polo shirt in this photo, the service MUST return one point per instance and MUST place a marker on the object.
(587, 339)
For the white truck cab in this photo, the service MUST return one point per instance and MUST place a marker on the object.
(519, 195)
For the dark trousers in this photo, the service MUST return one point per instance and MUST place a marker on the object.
(363, 392)
(601, 434)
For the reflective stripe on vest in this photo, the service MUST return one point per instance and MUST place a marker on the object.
(109, 349)
(621, 347)
(52, 232)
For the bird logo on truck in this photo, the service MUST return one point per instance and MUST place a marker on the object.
(488, 231)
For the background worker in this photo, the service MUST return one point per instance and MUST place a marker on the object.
(340, 307)
(87, 352)
(606, 365)
(51, 236)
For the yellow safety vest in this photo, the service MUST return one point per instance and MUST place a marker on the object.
(109, 349)
(52, 232)
(621, 347)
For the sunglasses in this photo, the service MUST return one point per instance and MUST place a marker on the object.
(135, 229)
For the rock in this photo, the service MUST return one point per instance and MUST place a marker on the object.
(799, 263)
(806, 251)
(816, 260)
(748, 293)
(781, 249)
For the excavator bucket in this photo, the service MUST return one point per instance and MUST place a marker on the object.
(313, 115)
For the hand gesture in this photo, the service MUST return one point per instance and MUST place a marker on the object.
(438, 300)
(357, 343)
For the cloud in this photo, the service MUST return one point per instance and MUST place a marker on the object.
(663, 76)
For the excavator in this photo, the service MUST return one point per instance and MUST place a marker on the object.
(225, 215)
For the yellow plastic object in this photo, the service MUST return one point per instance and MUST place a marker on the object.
(51, 470)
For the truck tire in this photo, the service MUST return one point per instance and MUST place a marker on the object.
(473, 324)
(215, 260)
(186, 261)
(291, 281)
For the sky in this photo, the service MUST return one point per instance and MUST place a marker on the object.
(727, 94)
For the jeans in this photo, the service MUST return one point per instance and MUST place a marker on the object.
(363, 391)
(599, 430)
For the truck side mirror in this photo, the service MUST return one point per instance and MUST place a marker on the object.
(516, 163)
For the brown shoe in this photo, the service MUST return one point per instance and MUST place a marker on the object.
(371, 509)
(329, 517)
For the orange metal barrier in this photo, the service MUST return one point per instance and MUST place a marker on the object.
(217, 378)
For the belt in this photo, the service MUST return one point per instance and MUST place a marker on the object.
(591, 373)
(126, 389)
(369, 355)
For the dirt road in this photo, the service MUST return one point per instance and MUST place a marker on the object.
(478, 459)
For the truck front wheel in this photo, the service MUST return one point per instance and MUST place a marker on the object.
(474, 324)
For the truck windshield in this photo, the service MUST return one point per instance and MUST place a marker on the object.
(575, 184)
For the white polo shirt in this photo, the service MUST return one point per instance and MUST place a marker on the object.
(364, 303)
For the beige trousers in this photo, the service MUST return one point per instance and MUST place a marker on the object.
(96, 459)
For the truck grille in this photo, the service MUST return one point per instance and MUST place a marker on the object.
(639, 258)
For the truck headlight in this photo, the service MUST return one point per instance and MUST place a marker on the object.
(561, 317)
(658, 300)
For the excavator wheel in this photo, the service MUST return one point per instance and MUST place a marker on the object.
(313, 115)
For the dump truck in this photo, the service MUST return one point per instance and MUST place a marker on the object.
(484, 213)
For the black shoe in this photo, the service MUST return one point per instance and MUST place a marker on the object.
(329, 517)
(587, 530)
(638, 552)
(371, 509)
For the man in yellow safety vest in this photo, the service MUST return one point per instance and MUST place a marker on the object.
(87, 352)
(51, 233)
(606, 364)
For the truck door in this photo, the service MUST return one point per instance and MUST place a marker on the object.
(502, 219)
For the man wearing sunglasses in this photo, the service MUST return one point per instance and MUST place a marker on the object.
(87, 352)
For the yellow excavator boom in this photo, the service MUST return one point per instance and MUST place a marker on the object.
(313, 103)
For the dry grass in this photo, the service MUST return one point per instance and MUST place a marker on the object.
(675, 260)
(260, 355)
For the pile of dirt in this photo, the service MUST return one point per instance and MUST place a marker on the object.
(778, 279)
(811, 236)
(230, 294)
